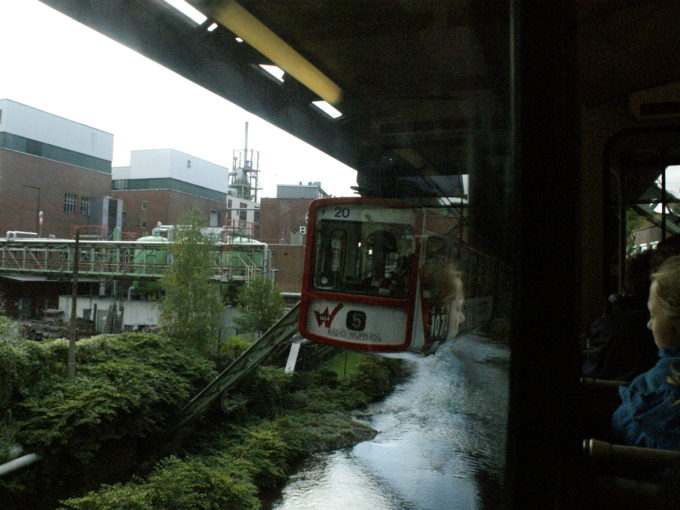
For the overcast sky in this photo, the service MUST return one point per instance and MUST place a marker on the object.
(55, 64)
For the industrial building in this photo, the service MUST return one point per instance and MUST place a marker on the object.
(284, 228)
(55, 174)
(160, 185)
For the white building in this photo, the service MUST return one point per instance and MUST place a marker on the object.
(175, 165)
(160, 185)
(61, 136)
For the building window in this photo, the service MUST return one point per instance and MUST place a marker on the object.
(144, 205)
(85, 206)
(34, 147)
(188, 163)
(229, 204)
(70, 201)
(142, 223)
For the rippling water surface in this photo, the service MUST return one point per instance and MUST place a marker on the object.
(440, 447)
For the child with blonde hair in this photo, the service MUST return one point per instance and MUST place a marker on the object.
(649, 414)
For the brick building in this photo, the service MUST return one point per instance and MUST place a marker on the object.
(284, 227)
(54, 165)
(160, 185)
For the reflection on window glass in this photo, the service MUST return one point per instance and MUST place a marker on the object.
(655, 214)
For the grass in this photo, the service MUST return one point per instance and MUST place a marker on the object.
(345, 364)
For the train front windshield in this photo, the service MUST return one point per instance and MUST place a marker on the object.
(364, 250)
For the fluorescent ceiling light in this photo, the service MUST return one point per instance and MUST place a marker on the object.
(188, 10)
(212, 27)
(234, 17)
(328, 109)
(275, 71)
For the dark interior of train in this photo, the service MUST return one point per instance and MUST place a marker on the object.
(563, 114)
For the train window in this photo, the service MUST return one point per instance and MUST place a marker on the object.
(655, 213)
(418, 263)
(359, 253)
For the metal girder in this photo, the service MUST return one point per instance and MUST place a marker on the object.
(214, 61)
(648, 212)
(277, 335)
(112, 259)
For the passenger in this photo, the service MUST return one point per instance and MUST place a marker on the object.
(619, 345)
(397, 284)
(649, 414)
(443, 298)
(667, 248)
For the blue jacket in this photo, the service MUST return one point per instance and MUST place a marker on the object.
(648, 415)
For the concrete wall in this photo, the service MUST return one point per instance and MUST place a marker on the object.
(136, 313)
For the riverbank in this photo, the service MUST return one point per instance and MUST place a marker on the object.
(441, 443)
(100, 434)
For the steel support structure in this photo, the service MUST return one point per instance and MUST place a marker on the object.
(114, 259)
(274, 338)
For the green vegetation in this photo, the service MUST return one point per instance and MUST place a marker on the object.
(101, 434)
(95, 426)
(190, 310)
(233, 347)
(262, 305)
(345, 363)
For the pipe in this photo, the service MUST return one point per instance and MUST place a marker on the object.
(19, 463)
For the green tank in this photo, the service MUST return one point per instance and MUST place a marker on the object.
(149, 261)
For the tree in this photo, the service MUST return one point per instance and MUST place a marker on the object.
(9, 330)
(191, 306)
(262, 305)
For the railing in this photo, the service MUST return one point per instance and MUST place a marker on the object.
(121, 259)
(241, 228)
(99, 232)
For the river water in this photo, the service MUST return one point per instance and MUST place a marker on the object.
(441, 441)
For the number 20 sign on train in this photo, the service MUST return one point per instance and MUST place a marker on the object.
(384, 276)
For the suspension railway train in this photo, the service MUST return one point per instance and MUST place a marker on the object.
(565, 115)
(392, 276)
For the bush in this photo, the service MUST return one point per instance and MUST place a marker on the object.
(188, 483)
(268, 389)
(376, 376)
(230, 474)
(126, 386)
(25, 365)
(233, 347)
(99, 425)
(9, 330)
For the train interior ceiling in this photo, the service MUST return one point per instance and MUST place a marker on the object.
(564, 115)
